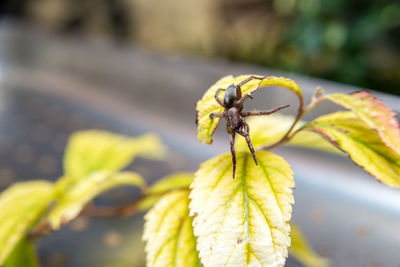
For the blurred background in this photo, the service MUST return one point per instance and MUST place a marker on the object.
(137, 66)
(350, 41)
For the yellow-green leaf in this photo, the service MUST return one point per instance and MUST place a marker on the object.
(171, 182)
(242, 221)
(169, 234)
(374, 113)
(93, 150)
(23, 255)
(267, 130)
(362, 144)
(312, 140)
(282, 82)
(20, 207)
(207, 104)
(301, 250)
(78, 195)
(206, 126)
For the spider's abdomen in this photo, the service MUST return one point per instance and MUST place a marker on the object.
(230, 96)
(234, 119)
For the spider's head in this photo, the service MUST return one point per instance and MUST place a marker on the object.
(230, 96)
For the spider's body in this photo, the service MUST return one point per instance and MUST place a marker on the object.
(230, 96)
(235, 123)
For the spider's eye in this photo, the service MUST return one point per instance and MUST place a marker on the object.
(230, 96)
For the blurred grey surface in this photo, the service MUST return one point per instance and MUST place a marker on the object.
(52, 86)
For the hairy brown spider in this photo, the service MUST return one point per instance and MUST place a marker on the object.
(235, 123)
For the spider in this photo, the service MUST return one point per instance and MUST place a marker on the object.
(235, 123)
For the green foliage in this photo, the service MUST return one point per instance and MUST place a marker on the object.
(207, 219)
(90, 151)
(349, 41)
(376, 115)
(242, 221)
(277, 126)
(92, 163)
(302, 251)
(24, 254)
(162, 231)
(225, 209)
(77, 196)
(169, 234)
(20, 206)
(206, 126)
(167, 184)
(362, 144)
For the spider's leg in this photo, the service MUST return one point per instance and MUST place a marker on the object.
(245, 134)
(258, 113)
(232, 142)
(219, 101)
(239, 89)
(249, 79)
(219, 115)
(244, 98)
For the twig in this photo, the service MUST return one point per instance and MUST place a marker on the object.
(129, 209)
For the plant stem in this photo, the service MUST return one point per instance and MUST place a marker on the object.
(286, 137)
(128, 209)
(301, 113)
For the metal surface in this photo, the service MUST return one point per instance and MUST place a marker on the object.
(52, 86)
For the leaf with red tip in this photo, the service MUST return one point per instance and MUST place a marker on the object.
(374, 113)
(364, 145)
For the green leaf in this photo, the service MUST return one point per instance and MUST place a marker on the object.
(93, 150)
(302, 251)
(284, 83)
(169, 234)
(267, 130)
(312, 140)
(206, 126)
(77, 196)
(207, 104)
(20, 206)
(242, 221)
(23, 255)
(171, 182)
(364, 146)
(374, 113)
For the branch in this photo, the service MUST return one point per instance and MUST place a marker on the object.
(128, 209)
(315, 101)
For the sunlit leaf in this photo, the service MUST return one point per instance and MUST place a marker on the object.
(362, 144)
(314, 141)
(242, 221)
(302, 251)
(93, 150)
(374, 113)
(267, 130)
(281, 82)
(20, 207)
(206, 126)
(77, 196)
(207, 104)
(169, 234)
(23, 255)
(171, 182)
